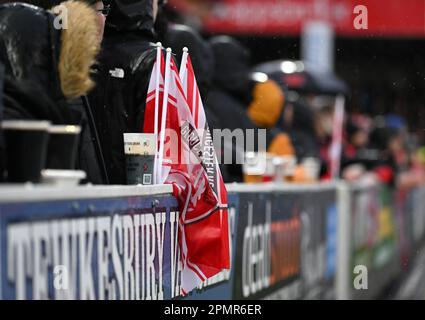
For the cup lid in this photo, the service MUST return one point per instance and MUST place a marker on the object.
(64, 129)
(63, 174)
(25, 124)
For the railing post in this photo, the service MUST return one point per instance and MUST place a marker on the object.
(344, 242)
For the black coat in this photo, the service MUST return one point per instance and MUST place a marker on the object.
(90, 154)
(302, 132)
(229, 97)
(2, 144)
(231, 89)
(89, 159)
(125, 66)
(179, 36)
(29, 51)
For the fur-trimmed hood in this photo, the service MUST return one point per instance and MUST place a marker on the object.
(79, 47)
(54, 61)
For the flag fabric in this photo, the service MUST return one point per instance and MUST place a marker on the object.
(209, 157)
(182, 167)
(154, 111)
(153, 105)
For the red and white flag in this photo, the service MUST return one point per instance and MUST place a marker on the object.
(209, 157)
(180, 164)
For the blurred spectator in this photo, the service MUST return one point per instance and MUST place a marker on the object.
(125, 65)
(45, 66)
(177, 37)
(267, 103)
(161, 25)
(90, 154)
(300, 123)
(353, 161)
(415, 176)
(264, 103)
(265, 110)
(228, 97)
(383, 140)
(356, 138)
(241, 103)
(395, 121)
(324, 121)
(97, 5)
(90, 158)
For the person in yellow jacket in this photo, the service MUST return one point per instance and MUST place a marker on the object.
(265, 110)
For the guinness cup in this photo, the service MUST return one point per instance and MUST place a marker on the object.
(139, 150)
(26, 148)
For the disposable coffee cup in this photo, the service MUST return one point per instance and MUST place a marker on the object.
(63, 147)
(289, 163)
(254, 167)
(279, 165)
(26, 149)
(312, 167)
(139, 150)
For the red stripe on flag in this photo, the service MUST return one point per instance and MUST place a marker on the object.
(178, 84)
(177, 80)
(150, 94)
(196, 113)
(172, 98)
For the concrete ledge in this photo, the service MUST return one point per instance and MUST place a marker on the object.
(32, 193)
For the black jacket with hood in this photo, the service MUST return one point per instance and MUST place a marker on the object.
(180, 36)
(31, 49)
(302, 131)
(125, 65)
(177, 37)
(231, 93)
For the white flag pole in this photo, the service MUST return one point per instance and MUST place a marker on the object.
(164, 112)
(183, 68)
(157, 78)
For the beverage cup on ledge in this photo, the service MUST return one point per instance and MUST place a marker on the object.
(63, 147)
(26, 149)
(139, 150)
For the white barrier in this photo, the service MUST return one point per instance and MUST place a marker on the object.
(369, 233)
(30, 192)
(305, 239)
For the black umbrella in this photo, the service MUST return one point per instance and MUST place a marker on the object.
(299, 77)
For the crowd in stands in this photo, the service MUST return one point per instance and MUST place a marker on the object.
(95, 74)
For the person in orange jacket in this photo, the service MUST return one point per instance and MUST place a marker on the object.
(265, 110)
